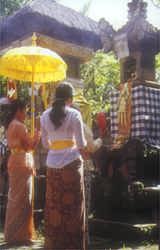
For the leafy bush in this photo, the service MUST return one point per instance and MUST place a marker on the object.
(100, 75)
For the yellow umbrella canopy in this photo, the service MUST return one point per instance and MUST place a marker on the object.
(33, 64)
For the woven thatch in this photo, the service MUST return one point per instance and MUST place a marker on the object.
(52, 19)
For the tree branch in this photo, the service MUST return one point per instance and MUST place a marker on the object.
(156, 3)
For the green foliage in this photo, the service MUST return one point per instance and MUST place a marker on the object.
(3, 86)
(7, 7)
(100, 75)
(158, 68)
(22, 89)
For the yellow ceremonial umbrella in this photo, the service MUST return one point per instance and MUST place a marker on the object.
(33, 64)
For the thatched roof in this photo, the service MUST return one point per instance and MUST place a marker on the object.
(52, 19)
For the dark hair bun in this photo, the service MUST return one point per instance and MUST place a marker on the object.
(63, 92)
(12, 108)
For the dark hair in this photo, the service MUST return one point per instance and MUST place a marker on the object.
(13, 107)
(63, 92)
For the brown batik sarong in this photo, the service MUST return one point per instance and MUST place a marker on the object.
(65, 208)
(19, 226)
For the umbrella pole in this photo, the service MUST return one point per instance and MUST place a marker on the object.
(32, 130)
(32, 109)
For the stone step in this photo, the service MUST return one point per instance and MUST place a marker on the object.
(118, 230)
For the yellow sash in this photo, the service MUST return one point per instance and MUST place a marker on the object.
(60, 145)
(19, 151)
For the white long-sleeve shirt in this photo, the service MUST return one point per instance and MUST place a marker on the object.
(71, 129)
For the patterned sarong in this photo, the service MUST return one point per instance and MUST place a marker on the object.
(19, 226)
(65, 208)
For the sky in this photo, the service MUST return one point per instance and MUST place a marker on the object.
(114, 11)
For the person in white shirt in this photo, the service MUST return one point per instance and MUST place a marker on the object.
(63, 135)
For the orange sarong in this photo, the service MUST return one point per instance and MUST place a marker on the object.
(19, 226)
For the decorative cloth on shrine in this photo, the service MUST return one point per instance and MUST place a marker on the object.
(145, 122)
(124, 110)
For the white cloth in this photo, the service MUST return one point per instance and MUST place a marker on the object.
(92, 145)
(71, 129)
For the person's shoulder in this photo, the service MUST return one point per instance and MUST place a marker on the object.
(73, 111)
(16, 125)
(45, 115)
(46, 112)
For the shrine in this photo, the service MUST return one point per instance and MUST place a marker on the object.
(131, 161)
(136, 44)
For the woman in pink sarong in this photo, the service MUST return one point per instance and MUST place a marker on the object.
(19, 226)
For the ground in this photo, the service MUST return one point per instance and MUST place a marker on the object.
(96, 244)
